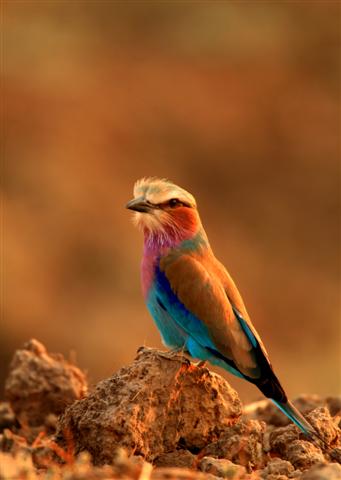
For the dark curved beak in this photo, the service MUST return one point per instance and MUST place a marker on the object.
(139, 205)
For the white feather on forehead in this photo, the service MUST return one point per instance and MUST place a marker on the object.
(160, 190)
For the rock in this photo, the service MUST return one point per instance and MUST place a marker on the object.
(221, 468)
(51, 421)
(266, 411)
(39, 384)
(125, 466)
(335, 454)
(20, 466)
(158, 404)
(277, 467)
(334, 405)
(7, 417)
(11, 442)
(303, 454)
(16, 467)
(281, 438)
(241, 443)
(178, 458)
(286, 442)
(323, 472)
(291, 444)
(324, 424)
(179, 474)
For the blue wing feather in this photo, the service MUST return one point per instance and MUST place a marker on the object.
(200, 345)
(246, 328)
(194, 333)
(180, 314)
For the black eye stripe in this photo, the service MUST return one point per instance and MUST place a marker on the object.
(172, 203)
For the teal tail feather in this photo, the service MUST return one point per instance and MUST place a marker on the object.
(297, 418)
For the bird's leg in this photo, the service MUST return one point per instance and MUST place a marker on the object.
(201, 364)
(174, 352)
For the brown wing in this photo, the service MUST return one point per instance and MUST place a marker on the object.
(198, 287)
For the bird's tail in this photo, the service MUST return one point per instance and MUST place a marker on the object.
(295, 416)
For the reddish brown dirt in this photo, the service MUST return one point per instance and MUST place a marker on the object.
(162, 417)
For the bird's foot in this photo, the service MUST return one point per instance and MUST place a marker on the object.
(176, 349)
(174, 352)
(201, 364)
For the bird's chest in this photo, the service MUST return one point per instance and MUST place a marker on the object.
(150, 267)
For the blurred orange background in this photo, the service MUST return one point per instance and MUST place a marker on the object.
(238, 102)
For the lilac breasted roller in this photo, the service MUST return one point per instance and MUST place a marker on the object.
(191, 296)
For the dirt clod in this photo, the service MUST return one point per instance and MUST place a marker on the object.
(241, 444)
(7, 417)
(303, 454)
(324, 424)
(266, 410)
(323, 472)
(158, 404)
(277, 468)
(178, 458)
(222, 468)
(40, 383)
(180, 474)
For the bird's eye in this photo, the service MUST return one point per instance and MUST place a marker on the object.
(174, 202)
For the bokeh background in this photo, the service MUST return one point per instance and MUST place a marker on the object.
(239, 102)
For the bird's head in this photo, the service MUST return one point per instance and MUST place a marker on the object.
(166, 213)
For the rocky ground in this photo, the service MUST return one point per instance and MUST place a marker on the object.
(162, 417)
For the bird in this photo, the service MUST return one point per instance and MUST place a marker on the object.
(191, 296)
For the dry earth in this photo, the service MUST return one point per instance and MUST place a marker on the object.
(162, 417)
